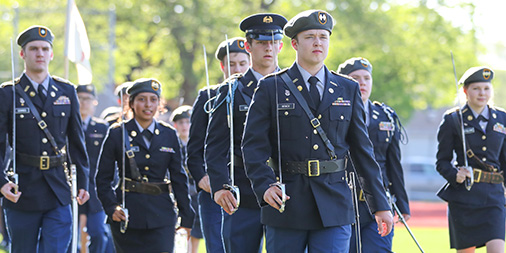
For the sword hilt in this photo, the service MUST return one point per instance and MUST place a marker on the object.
(235, 192)
(282, 187)
(123, 225)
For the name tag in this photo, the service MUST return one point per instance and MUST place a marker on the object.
(286, 106)
(22, 110)
(469, 130)
(167, 150)
(96, 135)
(243, 108)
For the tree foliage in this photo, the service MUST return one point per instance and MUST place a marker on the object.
(408, 45)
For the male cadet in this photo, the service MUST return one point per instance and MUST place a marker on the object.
(113, 113)
(320, 120)
(39, 215)
(209, 211)
(384, 130)
(94, 132)
(242, 230)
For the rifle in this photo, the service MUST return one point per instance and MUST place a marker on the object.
(230, 115)
(469, 180)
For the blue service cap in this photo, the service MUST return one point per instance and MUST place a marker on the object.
(263, 26)
(308, 20)
(144, 85)
(477, 74)
(353, 64)
(235, 45)
(36, 32)
(86, 88)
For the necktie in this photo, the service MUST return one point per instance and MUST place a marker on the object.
(40, 91)
(481, 118)
(146, 133)
(313, 91)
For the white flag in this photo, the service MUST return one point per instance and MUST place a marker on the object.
(79, 46)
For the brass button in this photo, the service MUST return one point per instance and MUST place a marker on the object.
(484, 148)
(43, 114)
(147, 156)
(387, 140)
(44, 152)
(342, 117)
(484, 159)
(146, 168)
(314, 131)
(21, 116)
(63, 114)
(286, 113)
(96, 143)
(483, 137)
(319, 116)
(315, 147)
(44, 140)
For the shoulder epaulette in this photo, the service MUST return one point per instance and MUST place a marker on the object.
(99, 120)
(9, 83)
(451, 110)
(390, 109)
(165, 124)
(341, 75)
(62, 80)
(498, 108)
(211, 87)
(276, 73)
(116, 125)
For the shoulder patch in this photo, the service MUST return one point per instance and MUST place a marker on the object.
(62, 80)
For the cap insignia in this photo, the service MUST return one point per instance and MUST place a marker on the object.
(42, 32)
(155, 85)
(486, 74)
(268, 19)
(322, 18)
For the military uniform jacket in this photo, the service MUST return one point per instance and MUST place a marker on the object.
(218, 140)
(94, 136)
(384, 133)
(489, 146)
(321, 201)
(198, 129)
(44, 189)
(146, 211)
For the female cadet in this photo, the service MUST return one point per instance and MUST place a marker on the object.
(155, 147)
(384, 130)
(476, 216)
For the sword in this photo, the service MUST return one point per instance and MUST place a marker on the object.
(279, 183)
(209, 106)
(123, 224)
(75, 216)
(354, 198)
(469, 180)
(231, 187)
(13, 174)
(406, 225)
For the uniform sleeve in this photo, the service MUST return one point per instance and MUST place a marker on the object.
(198, 129)
(256, 144)
(218, 144)
(447, 138)
(362, 154)
(75, 135)
(396, 174)
(179, 181)
(106, 170)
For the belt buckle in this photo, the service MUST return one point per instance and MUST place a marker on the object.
(313, 168)
(477, 175)
(42, 124)
(130, 153)
(315, 122)
(44, 162)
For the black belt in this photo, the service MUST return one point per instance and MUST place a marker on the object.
(41, 162)
(481, 176)
(145, 187)
(313, 168)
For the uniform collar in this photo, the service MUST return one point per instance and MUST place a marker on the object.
(35, 85)
(305, 76)
(485, 113)
(150, 128)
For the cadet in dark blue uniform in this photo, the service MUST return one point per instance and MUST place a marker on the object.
(319, 208)
(242, 229)
(384, 130)
(39, 215)
(94, 133)
(155, 148)
(210, 212)
(476, 217)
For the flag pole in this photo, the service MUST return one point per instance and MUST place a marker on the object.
(66, 48)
